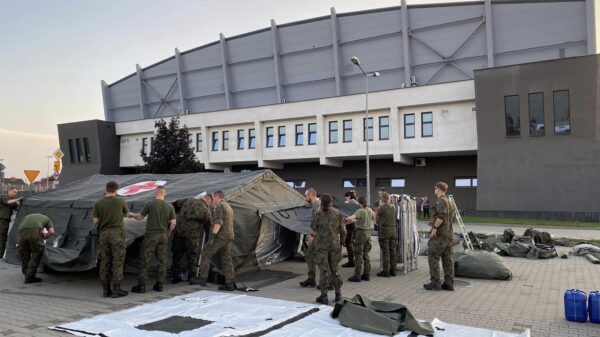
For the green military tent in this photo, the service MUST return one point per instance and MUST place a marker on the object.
(258, 240)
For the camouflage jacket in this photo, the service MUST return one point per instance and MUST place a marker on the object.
(223, 214)
(386, 218)
(443, 211)
(329, 228)
(193, 217)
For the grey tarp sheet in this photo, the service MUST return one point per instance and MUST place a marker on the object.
(481, 265)
(298, 219)
(74, 247)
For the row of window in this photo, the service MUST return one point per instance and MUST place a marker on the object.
(79, 150)
(220, 139)
(459, 182)
(537, 127)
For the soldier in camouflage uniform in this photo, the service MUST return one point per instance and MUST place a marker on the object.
(193, 218)
(108, 214)
(329, 233)
(440, 242)
(220, 241)
(350, 230)
(8, 203)
(31, 243)
(388, 236)
(311, 198)
(364, 217)
(159, 226)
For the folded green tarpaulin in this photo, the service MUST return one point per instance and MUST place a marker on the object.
(379, 317)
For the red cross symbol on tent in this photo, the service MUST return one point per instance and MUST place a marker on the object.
(140, 187)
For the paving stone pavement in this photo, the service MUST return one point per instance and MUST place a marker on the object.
(532, 299)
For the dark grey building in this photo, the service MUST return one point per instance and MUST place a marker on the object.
(538, 131)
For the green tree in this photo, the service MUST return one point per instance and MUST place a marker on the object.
(171, 151)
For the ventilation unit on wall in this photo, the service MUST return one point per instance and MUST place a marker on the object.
(420, 162)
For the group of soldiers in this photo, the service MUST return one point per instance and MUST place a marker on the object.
(330, 232)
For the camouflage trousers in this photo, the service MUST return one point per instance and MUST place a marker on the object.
(155, 245)
(362, 247)
(112, 255)
(223, 248)
(185, 246)
(440, 248)
(310, 261)
(328, 261)
(4, 223)
(388, 253)
(350, 231)
(30, 251)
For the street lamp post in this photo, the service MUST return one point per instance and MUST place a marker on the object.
(356, 62)
(47, 170)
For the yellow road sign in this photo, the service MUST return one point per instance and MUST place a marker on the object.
(57, 166)
(58, 154)
(31, 175)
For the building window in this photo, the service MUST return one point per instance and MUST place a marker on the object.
(296, 183)
(270, 136)
(513, 116)
(225, 140)
(80, 150)
(240, 139)
(199, 142)
(390, 182)
(252, 139)
(86, 150)
(368, 129)
(144, 145)
(465, 182)
(384, 128)
(347, 130)
(281, 136)
(299, 134)
(354, 182)
(536, 114)
(71, 151)
(312, 133)
(426, 124)
(215, 141)
(562, 112)
(333, 132)
(409, 126)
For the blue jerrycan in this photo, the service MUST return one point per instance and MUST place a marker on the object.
(594, 306)
(575, 305)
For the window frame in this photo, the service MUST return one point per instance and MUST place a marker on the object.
(87, 156)
(79, 150)
(295, 184)
(426, 123)
(225, 140)
(240, 139)
(378, 182)
(198, 141)
(311, 133)
(299, 134)
(281, 136)
(413, 125)
(518, 135)
(568, 110)
(472, 181)
(386, 125)
(271, 136)
(332, 131)
(344, 140)
(366, 129)
(251, 139)
(215, 141)
(543, 133)
(356, 182)
(71, 150)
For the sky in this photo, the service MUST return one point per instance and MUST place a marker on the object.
(55, 53)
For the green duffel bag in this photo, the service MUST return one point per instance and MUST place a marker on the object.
(481, 265)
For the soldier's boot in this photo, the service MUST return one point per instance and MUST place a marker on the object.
(139, 288)
(392, 272)
(338, 297)
(158, 286)
(354, 278)
(201, 282)
(323, 299)
(365, 277)
(432, 286)
(117, 291)
(227, 287)
(309, 282)
(33, 279)
(383, 274)
(194, 281)
(176, 279)
(448, 284)
(349, 264)
(106, 292)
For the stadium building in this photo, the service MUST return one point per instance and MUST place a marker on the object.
(498, 98)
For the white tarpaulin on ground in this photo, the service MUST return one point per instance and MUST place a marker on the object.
(223, 314)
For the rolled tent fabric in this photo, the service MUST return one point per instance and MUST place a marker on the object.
(481, 265)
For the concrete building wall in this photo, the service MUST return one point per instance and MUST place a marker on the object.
(553, 172)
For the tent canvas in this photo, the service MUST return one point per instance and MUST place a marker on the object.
(74, 247)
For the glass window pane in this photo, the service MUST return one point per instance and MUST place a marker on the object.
(71, 151)
(347, 136)
(301, 184)
(368, 127)
(474, 182)
(199, 142)
(281, 134)
(300, 134)
(408, 119)
(290, 184)
(536, 114)
(86, 150)
(562, 113)
(427, 130)
(384, 133)
(215, 141)
(395, 182)
(225, 140)
(80, 152)
(513, 116)
(462, 182)
(409, 131)
(427, 117)
(251, 138)
(348, 183)
(312, 133)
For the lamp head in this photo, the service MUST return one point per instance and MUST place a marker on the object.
(376, 74)
(355, 60)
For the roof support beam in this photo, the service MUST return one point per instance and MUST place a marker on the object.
(225, 71)
(141, 91)
(106, 101)
(276, 63)
(405, 43)
(182, 103)
(336, 54)
(489, 34)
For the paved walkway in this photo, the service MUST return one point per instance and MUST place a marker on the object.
(532, 299)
